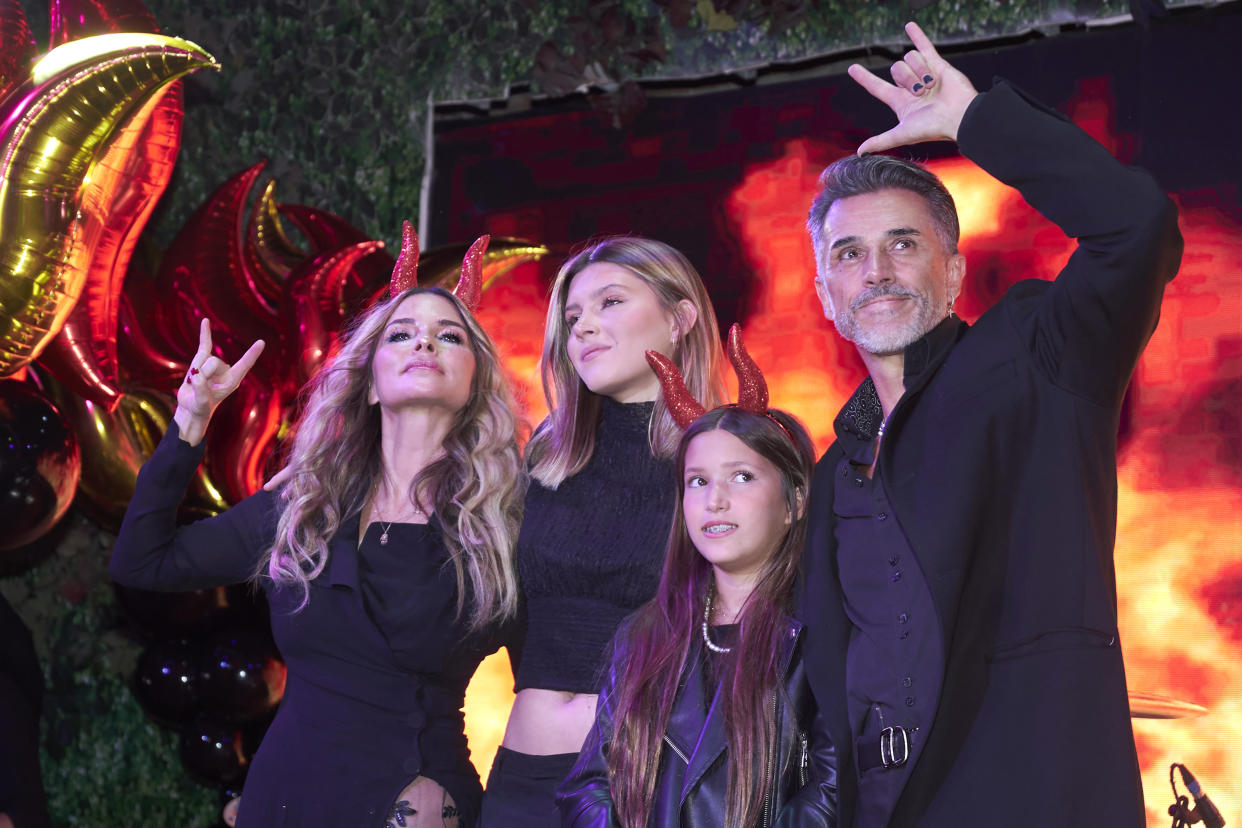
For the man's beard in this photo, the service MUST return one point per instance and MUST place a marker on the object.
(891, 338)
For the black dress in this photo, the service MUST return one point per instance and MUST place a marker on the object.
(377, 661)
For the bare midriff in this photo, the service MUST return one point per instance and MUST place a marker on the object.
(546, 722)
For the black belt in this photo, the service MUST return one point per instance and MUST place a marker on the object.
(891, 750)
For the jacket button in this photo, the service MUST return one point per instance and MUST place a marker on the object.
(903, 618)
(895, 577)
(907, 681)
(909, 701)
(893, 559)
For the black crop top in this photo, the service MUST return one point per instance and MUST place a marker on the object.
(590, 552)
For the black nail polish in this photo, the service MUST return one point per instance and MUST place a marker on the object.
(917, 87)
(927, 79)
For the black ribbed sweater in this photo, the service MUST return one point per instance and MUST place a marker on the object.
(590, 552)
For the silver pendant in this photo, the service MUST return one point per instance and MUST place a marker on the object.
(384, 539)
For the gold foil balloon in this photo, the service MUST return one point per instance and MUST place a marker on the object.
(58, 125)
(124, 186)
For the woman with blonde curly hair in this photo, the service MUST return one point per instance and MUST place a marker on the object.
(386, 557)
(601, 499)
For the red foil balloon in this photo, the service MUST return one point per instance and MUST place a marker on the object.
(134, 173)
(204, 274)
(17, 46)
(326, 232)
(243, 434)
(312, 305)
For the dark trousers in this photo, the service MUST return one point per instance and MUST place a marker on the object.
(521, 790)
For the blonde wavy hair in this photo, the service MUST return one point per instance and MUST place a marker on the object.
(566, 441)
(476, 486)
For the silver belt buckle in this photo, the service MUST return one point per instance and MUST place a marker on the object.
(894, 753)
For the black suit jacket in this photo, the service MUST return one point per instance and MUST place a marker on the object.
(1000, 463)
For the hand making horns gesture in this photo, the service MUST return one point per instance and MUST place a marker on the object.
(207, 383)
(928, 95)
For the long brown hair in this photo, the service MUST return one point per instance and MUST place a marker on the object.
(561, 448)
(657, 640)
(476, 486)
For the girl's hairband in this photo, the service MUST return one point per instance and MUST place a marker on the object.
(752, 389)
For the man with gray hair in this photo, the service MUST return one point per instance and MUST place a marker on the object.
(959, 597)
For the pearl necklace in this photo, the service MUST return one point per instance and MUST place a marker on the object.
(707, 615)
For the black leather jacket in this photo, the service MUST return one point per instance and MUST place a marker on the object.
(693, 775)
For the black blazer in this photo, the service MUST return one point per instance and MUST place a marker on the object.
(1000, 463)
(693, 775)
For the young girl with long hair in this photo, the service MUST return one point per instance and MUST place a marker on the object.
(705, 713)
(600, 501)
(386, 558)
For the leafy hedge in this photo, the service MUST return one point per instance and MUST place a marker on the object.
(104, 763)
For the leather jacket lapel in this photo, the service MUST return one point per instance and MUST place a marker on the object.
(712, 740)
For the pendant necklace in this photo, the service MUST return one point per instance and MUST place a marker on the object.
(386, 525)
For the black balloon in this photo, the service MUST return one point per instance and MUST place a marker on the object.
(39, 464)
(212, 751)
(241, 676)
(166, 681)
(178, 613)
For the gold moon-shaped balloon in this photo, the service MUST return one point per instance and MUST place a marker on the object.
(57, 124)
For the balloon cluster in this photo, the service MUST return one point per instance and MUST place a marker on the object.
(211, 671)
(89, 138)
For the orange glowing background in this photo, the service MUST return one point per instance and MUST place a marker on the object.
(1180, 482)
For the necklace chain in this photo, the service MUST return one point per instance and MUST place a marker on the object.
(417, 512)
(707, 616)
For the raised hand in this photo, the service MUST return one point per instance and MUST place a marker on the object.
(928, 96)
(207, 383)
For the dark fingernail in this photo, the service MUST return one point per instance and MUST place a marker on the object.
(927, 79)
(917, 87)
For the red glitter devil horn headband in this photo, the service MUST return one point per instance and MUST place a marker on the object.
(752, 389)
(405, 274)
(680, 402)
(470, 287)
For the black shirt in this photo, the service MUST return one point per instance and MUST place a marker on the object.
(894, 662)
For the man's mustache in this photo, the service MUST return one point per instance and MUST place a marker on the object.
(881, 291)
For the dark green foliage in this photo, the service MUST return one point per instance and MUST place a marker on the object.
(104, 763)
(334, 93)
